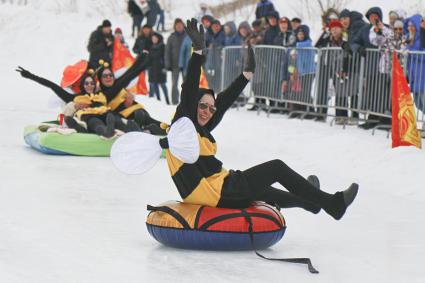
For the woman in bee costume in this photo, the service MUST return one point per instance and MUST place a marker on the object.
(203, 180)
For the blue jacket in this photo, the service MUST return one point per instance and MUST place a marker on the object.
(185, 52)
(233, 39)
(415, 62)
(305, 57)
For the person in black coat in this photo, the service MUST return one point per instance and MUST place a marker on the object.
(273, 30)
(137, 15)
(377, 85)
(157, 71)
(100, 44)
(264, 8)
(143, 41)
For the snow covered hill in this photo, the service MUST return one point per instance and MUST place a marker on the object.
(74, 219)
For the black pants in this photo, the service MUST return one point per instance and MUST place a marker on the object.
(96, 124)
(300, 192)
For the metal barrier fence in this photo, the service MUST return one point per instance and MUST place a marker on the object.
(325, 82)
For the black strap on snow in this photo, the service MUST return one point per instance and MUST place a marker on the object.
(171, 212)
(292, 260)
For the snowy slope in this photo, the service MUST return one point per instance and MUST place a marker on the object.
(74, 219)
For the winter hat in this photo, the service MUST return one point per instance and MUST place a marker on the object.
(273, 14)
(304, 29)
(335, 23)
(398, 24)
(215, 22)
(118, 30)
(344, 14)
(297, 20)
(374, 10)
(106, 24)
(256, 23)
(147, 26)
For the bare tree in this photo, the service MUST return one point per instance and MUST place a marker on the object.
(309, 8)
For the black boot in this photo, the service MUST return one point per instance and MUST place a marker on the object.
(316, 183)
(340, 201)
(110, 126)
(72, 124)
(132, 127)
(141, 117)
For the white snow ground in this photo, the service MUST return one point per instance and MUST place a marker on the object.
(77, 219)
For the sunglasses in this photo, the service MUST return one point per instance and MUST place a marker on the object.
(89, 83)
(108, 75)
(203, 106)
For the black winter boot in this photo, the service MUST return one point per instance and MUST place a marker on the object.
(110, 126)
(340, 201)
(132, 127)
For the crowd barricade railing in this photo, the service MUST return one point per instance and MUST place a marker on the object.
(232, 67)
(213, 68)
(328, 81)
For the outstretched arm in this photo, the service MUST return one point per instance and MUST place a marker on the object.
(138, 66)
(226, 98)
(60, 92)
(190, 88)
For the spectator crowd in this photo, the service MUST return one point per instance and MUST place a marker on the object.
(349, 30)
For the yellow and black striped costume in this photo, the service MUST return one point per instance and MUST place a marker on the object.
(205, 182)
(97, 104)
(117, 104)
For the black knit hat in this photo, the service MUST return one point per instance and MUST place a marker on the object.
(298, 20)
(344, 13)
(106, 24)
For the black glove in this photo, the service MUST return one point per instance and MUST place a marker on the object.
(24, 73)
(249, 65)
(197, 36)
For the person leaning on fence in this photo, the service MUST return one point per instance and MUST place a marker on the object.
(206, 182)
(285, 38)
(415, 60)
(273, 28)
(305, 69)
(376, 88)
(213, 60)
(231, 37)
(334, 66)
(244, 31)
(206, 22)
(258, 31)
(352, 23)
(172, 53)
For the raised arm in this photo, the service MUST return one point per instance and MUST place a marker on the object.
(59, 91)
(226, 98)
(190, 88)
(125, 79)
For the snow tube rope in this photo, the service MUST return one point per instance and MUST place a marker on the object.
(290, 260)
(248, 217)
